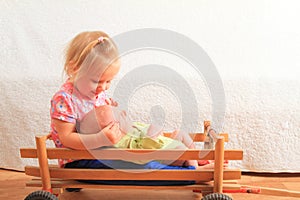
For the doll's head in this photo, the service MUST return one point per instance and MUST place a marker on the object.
(104, 115)
(96, 119)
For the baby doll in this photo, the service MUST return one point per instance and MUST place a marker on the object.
(138, 135)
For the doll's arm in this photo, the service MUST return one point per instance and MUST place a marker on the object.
(154, 131)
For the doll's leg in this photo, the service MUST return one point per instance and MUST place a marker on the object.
(173, 161)
(188, 142)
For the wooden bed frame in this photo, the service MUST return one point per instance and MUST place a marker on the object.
(54, 180)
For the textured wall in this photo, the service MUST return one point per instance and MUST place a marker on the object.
(253, 44)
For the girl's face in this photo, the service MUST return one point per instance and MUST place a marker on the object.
(90, 85)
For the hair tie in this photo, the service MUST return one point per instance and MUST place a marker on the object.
(101, 39)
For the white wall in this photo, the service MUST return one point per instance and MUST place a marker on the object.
(253, 44)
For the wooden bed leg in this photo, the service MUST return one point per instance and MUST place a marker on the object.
(219, 164)
(43, 162)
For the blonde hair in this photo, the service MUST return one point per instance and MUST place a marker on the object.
(87, 50)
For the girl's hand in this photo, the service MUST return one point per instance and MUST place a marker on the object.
(111, 102)
(113, 132)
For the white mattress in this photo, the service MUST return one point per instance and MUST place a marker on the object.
(258, 42)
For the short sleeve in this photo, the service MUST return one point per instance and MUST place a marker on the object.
(100, 99)
(62, 108)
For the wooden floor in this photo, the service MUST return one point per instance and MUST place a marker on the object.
(12, 187)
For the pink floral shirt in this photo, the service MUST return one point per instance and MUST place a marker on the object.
(66, 106)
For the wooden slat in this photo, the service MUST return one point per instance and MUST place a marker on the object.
(27, 152)
(75, 184)
(113, 174)
(276, 191)
(230, 182)
(233, 154)
(200, 137)
(132, 154)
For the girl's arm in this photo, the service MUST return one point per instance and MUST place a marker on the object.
(70, 138)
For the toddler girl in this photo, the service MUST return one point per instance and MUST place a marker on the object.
(91, 63)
